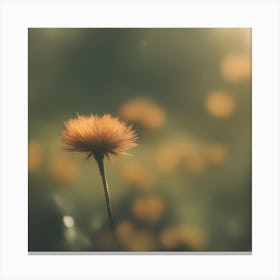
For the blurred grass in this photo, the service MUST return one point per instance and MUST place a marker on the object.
(194, 155)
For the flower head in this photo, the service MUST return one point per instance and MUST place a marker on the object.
(98, 136)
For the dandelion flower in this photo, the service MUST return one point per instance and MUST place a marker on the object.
(98, 137)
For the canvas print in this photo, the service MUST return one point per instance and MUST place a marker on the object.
(139, 140)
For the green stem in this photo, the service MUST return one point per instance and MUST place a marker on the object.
(106, 190)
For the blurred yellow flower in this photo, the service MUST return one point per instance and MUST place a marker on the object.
(168, 157)
(148, 208)
(143, 111)
(134, 239)
(193, 155)
(34, 156)
(216, 153)
(196, 162)
(220, 104)
(138, 175)
(191, 235)
(141, 240)
(98, 136)
(186, 152)
(168, 238)
(235, 67)
(124, 230)
(62, 169)
(182, 235)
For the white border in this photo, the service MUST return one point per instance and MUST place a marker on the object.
(17, 16)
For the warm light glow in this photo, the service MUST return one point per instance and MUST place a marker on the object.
(68, 221)
(34, 156)
(235, 67)
(220, 104)
(168, 238)
(190, 235)
(182, 235)
(196, 163)
(63, 170)
(168, 157)
(141, 240)
(138, 175)
(148, 208)
(124, 230)
(143, 111)
(216, 153)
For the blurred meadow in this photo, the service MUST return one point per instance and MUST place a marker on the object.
(187, 93)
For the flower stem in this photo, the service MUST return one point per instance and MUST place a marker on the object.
(106, 190)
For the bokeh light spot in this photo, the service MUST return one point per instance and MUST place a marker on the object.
(148, 208)
(182, 235)
(196, 163)
(141, 240)
(68, 221)
(34, 156)
(216, 153)
(143, 111)
(124, 230)
(168, 238)
(138, 175)
(235, 67)
(63, 170)
(220, 104)
(168, 157)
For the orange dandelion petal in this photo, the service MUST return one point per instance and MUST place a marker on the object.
(98, 135)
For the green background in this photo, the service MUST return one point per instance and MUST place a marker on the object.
(98, 70)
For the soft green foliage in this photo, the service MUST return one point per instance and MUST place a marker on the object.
(97, 71)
